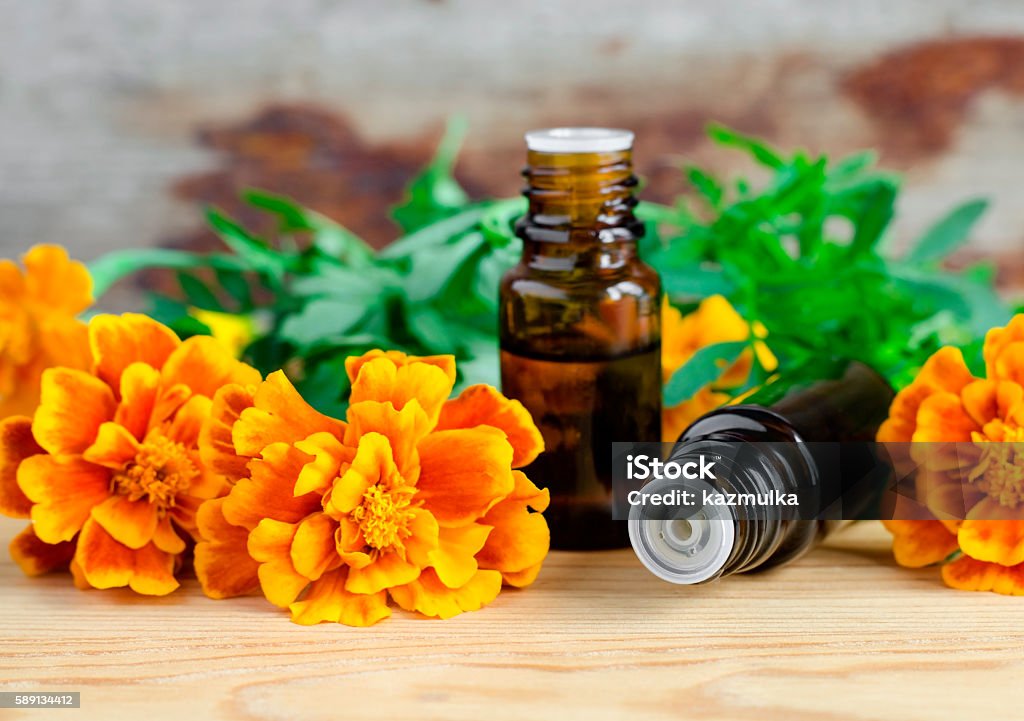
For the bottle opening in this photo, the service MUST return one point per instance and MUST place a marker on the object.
(579, 140)
(684, 549)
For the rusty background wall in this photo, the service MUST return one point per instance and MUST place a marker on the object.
(117, 120)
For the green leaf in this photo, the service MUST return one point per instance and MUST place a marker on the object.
(497, 221)
(430, 328)
(431, 270)
(329, 238)
(236, 285)
(174, 314)
(874, 217)
(344, 282)
(434, 193)
(705, 184)
(251, 249)
(694, 281)
(758, 149)
(703, 368)
(112, 267)
(325, 385)
(322, 321)
(435, 234)
(198, 294)
(949, 233)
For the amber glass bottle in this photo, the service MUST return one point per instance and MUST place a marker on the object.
(580, 331)
(815, 437)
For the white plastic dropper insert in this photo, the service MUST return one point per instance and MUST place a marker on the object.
(579, 140)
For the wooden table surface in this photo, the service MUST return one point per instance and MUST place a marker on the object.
(841, 634)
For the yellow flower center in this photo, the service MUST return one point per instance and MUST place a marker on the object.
(384, 517)
(159, 472)
(1000, 472)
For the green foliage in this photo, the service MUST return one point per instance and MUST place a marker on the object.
(802, 255)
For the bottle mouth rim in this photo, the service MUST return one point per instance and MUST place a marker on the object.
(579, 140)
(691, 556)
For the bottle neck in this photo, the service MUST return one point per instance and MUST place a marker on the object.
(580, 210)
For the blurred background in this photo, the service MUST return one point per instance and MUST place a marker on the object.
(120, 120)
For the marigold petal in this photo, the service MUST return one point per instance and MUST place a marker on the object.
(72, 407)
(999, 542)
(35, 557)
(941, 418)
(423, 539)
(920, 543)
(131, 523)
(268, 492)
(105, 563)
(997, 341)
(313, 550)
(64, 493)
(373, 463)
(222, 561)
(979, 400)
(270, 543)
(403, 428)
(216, 447)
(16, 444)
(331, 459)
(1008, 365)
(188, 419)
(945, 371)
(454, 558)
(484, 405)
(166, 538)
(969, 574)
(327, 600)
(54, 280)
(113, 448)
(119, 341)
(383, 381)
(353, 364)
(278, 415)
(204, 364)
(77, 577)
(520, 539)
(140, 384)
(427, 595)
(386, 571)
(521, 579)
(464, 473)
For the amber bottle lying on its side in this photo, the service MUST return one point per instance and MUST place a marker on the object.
(579, 327)
(790, 445)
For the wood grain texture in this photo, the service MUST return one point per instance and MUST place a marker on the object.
(842, 634)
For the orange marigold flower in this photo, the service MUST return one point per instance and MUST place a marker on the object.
(947, 403)
(108, 469)
(412, 498)
(713, 321)
(39, 327)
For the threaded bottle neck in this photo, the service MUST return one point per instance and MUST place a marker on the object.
(580, 187)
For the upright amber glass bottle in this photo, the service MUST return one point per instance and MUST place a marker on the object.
(580, 331)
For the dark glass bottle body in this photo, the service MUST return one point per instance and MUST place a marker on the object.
(793, 444)
(580, 334)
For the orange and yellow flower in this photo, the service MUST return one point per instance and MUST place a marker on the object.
(108, 468)
(39, 327)
(414, 498)
(713, 321)
(947, 403)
